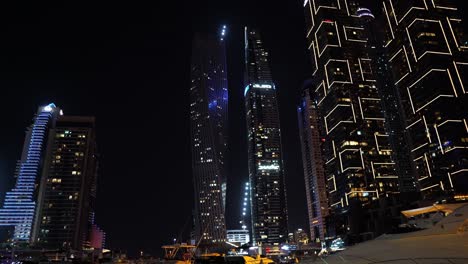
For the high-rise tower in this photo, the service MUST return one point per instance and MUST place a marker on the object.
(20, 203)
(360, 172)
(428, 57)
(314, 172)
(52, 203)
(65, 211)
(391, 105)
(266, 172)
(208, 122)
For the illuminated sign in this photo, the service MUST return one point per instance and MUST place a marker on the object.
(269, 167)
(364, 12)
(258, 86)
(262, 86)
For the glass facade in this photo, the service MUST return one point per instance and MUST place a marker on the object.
(208, 122)
(20, 203)
(266, 172)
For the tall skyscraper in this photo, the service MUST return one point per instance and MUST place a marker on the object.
(360, 173)
(208, 122)
(266, 172)
(20, 203)
(52, 203)
(314, 170)
(65, 211)
(428, 57)
(394, 115)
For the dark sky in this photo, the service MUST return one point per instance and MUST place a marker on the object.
(128, 65)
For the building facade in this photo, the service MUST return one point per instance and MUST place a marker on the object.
(208, 122)
(20, 203)
(65, 211)
(266, 172)
(428, 56)
(312, 160)
(360, 172)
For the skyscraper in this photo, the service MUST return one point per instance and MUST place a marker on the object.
(52, 203)
(266, 172)
(391, 105)
(65, 211)
(360, 173)
(20, 203)
(314, 172)
(428, 57)
(208, 122)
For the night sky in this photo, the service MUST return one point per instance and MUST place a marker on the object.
(128, 64)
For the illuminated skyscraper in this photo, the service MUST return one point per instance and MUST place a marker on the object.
(266, 172)
(208, 122)
(52, 203)
(360, 173)
(20, 203)
(314, 173)
(391, 105)
(65, 205)
(428, 57)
